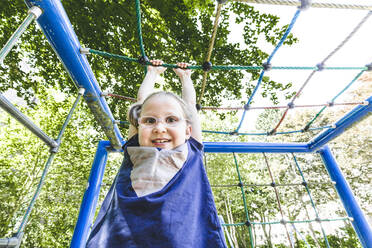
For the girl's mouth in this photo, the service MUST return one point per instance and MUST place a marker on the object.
(160, 141)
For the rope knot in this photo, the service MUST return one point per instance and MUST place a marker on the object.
(272, 132)
(266, 66)
(306, 128)
(234, 133)
(320, 67)
(198, 106)
(143, 60)
(305, 4)
(330, 104)
(207, 65)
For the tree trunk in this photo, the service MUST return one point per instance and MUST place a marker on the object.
(267, 233)
(231, 230)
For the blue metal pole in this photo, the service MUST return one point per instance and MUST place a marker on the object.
(346, 121)
(252, 147)
(61, 36)
(88, 205)
(359, 221)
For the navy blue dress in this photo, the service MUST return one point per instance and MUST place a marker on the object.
(181, 215)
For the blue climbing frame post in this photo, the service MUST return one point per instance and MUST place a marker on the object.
(89, 203)
(359, 220)
(57, 28)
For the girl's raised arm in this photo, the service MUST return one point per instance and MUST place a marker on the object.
(147, 87)
(189, 96)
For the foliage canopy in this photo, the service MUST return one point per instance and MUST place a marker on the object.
(176, 31)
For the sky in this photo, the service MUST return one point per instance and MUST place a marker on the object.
(319, 32)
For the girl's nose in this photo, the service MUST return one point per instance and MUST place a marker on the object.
(159, 127)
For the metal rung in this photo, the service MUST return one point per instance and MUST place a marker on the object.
(25, 121)
(9, 242)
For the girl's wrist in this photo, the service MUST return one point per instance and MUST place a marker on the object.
(151, 73)
(185, 78)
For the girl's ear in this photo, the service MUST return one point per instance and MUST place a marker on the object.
(188, 131)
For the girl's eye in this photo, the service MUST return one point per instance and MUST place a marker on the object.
(171, 119)
(149, 120)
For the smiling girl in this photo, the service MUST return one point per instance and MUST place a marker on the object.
(161, 196)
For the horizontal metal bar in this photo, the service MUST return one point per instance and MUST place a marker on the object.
(253, 147)
(24, 120)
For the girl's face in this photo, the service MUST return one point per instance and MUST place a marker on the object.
(167, 129)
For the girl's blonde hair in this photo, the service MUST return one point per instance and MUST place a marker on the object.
(135, 110)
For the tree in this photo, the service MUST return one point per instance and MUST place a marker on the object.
(22, 158)
(176, 31)
(352, 151)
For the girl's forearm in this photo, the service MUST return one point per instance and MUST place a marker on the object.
(188, 91)
(147, 86)
(189, 96)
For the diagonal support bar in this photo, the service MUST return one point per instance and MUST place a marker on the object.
(61, 36)
(25, 121)
(33, 13)
(52, 155)
(345, 122)
(359, 221)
